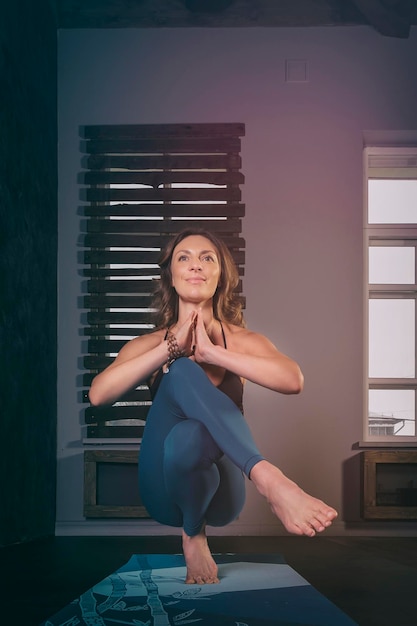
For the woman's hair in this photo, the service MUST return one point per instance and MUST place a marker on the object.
(227, 305)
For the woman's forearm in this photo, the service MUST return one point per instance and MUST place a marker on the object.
(126, 373)
(277, 372)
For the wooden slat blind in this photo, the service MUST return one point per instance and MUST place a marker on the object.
(143, 184)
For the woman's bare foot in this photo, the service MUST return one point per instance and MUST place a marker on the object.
(300, 513)
(201, 567)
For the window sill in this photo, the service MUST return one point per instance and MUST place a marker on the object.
(110, 441)
(384, 444)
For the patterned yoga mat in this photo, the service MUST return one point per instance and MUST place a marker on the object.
(254, 590)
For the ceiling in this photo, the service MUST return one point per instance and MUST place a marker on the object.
(391, 18)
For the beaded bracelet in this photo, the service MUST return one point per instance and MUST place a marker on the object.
(174, 351)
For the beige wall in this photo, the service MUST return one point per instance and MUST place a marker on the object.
(302, 158)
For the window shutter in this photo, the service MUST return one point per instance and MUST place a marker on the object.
(143, 184)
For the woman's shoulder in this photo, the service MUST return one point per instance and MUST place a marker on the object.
(239, 334)
(243, 338)
(233, 328)
(238, 331)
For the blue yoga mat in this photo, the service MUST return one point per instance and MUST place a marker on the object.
(254, 590)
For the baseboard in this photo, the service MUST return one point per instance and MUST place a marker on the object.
(152, 528)
(137, 528)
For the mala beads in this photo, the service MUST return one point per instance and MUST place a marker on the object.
(174, 351)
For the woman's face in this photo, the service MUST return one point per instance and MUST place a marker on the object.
(195, 269)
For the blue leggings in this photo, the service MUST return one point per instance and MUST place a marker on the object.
(195, 449)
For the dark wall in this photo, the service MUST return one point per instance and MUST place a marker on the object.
(28, 262)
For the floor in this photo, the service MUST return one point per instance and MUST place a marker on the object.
(373, 580)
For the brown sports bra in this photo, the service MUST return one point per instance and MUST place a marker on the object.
(231, 384)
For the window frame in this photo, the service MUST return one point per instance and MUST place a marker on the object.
(387, 162)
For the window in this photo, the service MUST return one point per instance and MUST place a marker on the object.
(391, 288)
(145, 183)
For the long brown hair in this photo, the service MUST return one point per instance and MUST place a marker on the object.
(227, 306)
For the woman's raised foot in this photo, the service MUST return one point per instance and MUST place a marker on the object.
(300, 513)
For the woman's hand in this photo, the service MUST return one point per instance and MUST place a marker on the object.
(185, 335)
(203, 346)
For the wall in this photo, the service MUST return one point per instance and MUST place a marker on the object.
(302, 158)
(28, 260)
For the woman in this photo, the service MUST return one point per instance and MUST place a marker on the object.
(197, 448)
